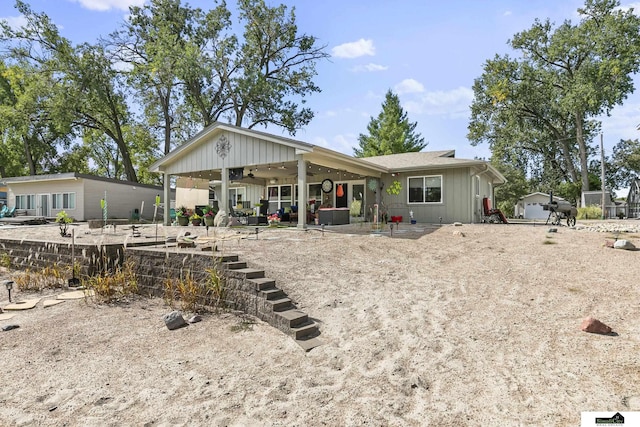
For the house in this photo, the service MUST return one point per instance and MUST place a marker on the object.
(531, 206)
(633, 199)
(247, 167)
(612, 209)
(3, 195)
(80, 195)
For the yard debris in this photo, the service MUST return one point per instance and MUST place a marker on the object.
(10, 327)
(174, 320)
(594, 326)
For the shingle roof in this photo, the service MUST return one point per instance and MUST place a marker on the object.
(426, 159)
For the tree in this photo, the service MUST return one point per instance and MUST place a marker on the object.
(581, 71)
(390, 133)
(625, 161)
(86, 90)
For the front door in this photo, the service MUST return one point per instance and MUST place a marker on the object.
(43, 205)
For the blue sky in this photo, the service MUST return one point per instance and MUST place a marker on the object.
(428, 52)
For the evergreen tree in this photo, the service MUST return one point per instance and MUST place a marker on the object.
(390, 133)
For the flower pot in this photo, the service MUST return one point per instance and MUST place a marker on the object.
(183, 221)
(196, 222)
(208, 221)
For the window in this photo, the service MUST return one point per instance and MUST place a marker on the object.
(425, 189)
(279, 197)
(236, 198)
(26, 201)
(63, 200)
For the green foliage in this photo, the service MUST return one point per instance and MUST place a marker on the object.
(538, 112)
(5, 260)
(390, 133)
(589, 212)
(625, 161)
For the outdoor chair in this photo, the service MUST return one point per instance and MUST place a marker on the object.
(492, 215)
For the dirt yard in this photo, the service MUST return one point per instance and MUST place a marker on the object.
(472, 325)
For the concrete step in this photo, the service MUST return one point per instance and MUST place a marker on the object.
(272, 293)
(308, 330)
(293, 318)
(249, 273)
(234, 265)
(226, 258)
(263, 283)
(280, 304)
(310, 343)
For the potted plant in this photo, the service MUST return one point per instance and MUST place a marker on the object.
(63, 220)
(209, 215)
(355, 208)
(182, 214)
(274, 220)
(195, 219)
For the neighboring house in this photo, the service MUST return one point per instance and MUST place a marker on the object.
(633, 199)
(611, 208)
(79, 195)
(531, 206)
(248, 166)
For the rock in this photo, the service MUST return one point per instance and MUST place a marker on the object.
(553, 230)
(10, 327)
(623, 244)
(174, 320)
(186, 244)
(195, 318)
(458, 233)
(457, 224)
(594, 326)
(233, 222)
(608, 243)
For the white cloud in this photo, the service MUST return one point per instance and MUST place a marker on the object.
(409, 86)
(355, 49)
(370, 67)
(507, 13)
(15, 22)
(104, 5)
(453, 103)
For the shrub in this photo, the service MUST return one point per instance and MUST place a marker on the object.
(589, 212)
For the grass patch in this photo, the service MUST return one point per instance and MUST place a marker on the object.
(245, 323)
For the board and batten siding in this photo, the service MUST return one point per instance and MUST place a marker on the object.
(244, 151)
(456, 200)
(122, 199)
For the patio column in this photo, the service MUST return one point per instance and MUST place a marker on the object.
(302, 192)
(167, 199)
(224, 191)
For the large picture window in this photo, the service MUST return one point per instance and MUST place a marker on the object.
(425, 189)
(63, 200)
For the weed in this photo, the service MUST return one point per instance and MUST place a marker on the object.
(5, 260)
(49, 277)
(244, 324)
(114, 286)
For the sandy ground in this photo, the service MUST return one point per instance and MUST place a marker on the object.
(472, 325)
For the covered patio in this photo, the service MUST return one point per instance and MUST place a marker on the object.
(248, 168)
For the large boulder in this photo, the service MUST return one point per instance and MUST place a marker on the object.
(623, 244)
(174, 320)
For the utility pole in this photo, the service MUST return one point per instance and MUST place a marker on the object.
(602, 174)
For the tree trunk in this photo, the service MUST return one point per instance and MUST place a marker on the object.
(584, 172)
(29, 157)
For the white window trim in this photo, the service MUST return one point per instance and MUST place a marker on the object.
(441, 202)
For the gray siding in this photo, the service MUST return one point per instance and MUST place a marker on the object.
(122, 199)
(244, 151)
